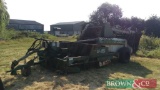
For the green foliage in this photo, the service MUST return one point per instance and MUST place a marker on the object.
(149, 47)
(112, 13)
(155, 53)
(134, 23)
(13, 34)
(23, 34)
(106, 12)
(8, 34)
(149, 43)
(4, 16)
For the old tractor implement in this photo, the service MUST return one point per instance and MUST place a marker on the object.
(70, 57)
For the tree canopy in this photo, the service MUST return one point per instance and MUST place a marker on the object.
(106, 13)
(134, 23)
(112, 13)
(4, 15)
(153, 26)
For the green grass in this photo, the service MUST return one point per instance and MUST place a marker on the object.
(41, 79)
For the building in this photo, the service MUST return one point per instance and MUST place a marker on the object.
(67, 28)
(26, 25)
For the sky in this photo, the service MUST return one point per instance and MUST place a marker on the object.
(50, 12)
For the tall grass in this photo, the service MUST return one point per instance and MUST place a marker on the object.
(9, 34)
(149, 47)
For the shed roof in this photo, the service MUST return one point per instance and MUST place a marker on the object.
(17, 21)
(68, 23)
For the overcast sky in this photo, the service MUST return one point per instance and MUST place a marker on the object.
(49, 12)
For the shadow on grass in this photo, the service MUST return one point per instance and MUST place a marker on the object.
(93, 77)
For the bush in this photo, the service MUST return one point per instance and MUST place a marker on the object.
(8, 34)
(149, 43)
(149, 47)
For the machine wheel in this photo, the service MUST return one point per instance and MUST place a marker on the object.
(124, 55)
(26, 71)
(1, 85)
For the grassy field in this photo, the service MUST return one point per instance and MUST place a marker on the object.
(92, 79)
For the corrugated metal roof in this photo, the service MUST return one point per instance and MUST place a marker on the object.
(67, 23)
(17, 21)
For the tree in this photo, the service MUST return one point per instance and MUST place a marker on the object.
(113, 14)
(153, 26)
(133, 23)
(137, 23)
(125, 22)
(4, 16)
(106, 13)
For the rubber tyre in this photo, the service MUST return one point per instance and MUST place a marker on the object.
(124, 55)
(26, 71)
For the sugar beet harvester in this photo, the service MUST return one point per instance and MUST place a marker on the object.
(70, 57)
